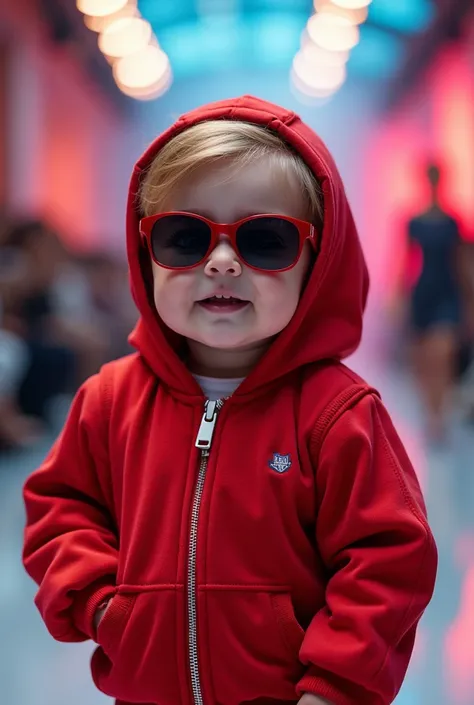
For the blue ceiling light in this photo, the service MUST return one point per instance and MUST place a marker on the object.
(221, 42)
(165, 13)
(214, 36)
(407, 16)
(214, 44)
(303, 6)
(276, 40)
(377, 55)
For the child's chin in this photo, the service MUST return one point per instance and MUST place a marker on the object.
(228, 344)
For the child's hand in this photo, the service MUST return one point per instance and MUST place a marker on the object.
(99, 615)
(309, 699)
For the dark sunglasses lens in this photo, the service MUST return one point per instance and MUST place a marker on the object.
(180, 240)
(268, 243)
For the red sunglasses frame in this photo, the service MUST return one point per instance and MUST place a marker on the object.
(306, 231)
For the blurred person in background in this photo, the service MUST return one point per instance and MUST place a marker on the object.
(47, 301)
(16, 429)
(438, 305)
(110, 302)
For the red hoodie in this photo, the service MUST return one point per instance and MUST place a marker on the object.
(292, 556)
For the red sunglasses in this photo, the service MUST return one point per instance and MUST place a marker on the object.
(269, 243)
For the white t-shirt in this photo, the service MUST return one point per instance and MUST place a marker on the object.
(215, 388)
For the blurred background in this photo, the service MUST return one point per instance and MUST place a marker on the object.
(390, 87)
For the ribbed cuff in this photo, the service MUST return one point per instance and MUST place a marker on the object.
(87, 603)
(312, 682)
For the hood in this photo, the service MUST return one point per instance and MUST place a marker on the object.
(328, 321)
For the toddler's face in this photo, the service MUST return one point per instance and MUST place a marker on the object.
(225, 194)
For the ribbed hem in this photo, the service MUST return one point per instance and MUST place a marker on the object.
(86, 604)
(316, 685)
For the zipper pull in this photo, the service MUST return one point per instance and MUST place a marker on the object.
(208, 423)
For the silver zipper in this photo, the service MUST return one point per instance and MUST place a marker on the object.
(203, 442)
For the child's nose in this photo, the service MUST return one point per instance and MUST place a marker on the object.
(223, 260)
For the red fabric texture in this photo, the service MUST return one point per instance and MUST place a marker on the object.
(308, 580)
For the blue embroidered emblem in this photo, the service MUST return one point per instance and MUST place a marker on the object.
(280, 463)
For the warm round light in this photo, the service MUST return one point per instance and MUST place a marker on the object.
(113, 59)
(110, 59)
(142, 69)
(125, 36)
(352, 4)
(100, 8)
(332, 32)
(150, 92)
(310, 91)
(354, 16)
(315, 54)
(321, 78)
(100, 24)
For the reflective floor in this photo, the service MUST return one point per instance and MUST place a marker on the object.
(34, 670)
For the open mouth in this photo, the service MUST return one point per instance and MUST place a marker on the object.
(223, 303)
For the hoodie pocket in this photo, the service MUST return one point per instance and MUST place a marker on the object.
(136, 661)
(290, 629)
(113, 622)
(254, 642)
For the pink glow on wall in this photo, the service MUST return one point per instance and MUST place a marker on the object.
(393, 192)
(435, 123)
(69, 149)
(452, 90)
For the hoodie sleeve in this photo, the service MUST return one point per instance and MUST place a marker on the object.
(70, 544)
(381, 561)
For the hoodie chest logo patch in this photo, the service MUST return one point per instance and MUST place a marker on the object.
(280, 463)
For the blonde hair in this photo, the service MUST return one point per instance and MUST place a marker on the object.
(214, 140)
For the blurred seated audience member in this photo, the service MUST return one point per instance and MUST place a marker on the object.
(42, 302)
(16, 429)
(111, 301)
